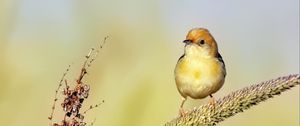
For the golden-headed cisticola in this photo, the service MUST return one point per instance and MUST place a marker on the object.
(200, 71)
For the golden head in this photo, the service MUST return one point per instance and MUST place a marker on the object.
(201, 38)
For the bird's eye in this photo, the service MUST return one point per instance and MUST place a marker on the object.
(201, 42)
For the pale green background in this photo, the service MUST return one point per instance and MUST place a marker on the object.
(259, 40)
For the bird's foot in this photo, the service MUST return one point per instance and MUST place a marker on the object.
(182, 112)
(212, 102)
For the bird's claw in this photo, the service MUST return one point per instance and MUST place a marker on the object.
(212, 102)
(182, 112)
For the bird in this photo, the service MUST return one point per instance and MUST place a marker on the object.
(200, 71)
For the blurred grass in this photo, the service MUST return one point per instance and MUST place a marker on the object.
(134, 71)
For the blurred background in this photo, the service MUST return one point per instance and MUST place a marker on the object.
(258, 39)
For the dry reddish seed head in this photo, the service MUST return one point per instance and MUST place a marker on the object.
(73, 98)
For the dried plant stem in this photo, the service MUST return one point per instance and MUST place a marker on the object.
(56, 91)
(92, 107)
(235, 102)
(74, 97)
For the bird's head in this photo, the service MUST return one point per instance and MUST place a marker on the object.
(200, 42)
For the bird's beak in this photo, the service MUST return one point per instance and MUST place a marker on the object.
(187, 41)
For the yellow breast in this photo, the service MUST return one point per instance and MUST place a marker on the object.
(199, 68)
(198, 77)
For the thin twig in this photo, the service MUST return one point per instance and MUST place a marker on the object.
(98, 50)
(56, 92)
(92, 107)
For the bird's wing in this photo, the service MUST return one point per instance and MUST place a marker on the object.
(181, 57)
(220, 59)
